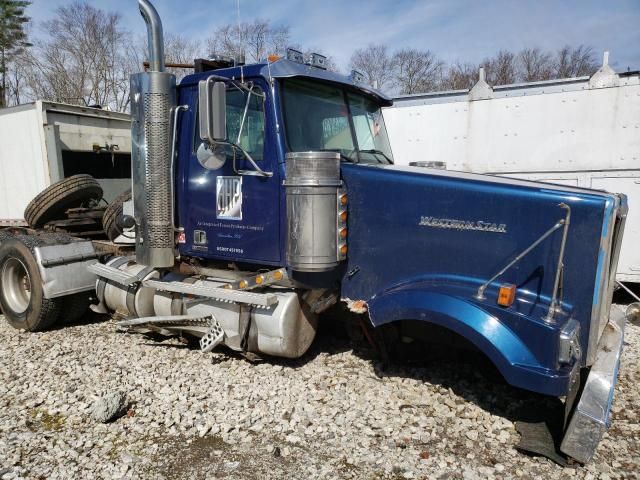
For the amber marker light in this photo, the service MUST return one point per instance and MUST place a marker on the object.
(259, 279)
(506, 295)
(277, 275)
(343, 250)
(343, 199)
(243, 284)
(273, 58)
(343, 216)
(343, 233)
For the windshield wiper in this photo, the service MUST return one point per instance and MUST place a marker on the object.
(377, 152)
(338, 150)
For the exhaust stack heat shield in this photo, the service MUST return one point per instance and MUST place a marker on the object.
(153, 95)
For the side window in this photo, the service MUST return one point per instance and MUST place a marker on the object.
(245, 130)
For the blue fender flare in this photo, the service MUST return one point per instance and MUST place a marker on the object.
(500, 344)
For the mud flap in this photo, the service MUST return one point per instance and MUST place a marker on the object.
(541, 429)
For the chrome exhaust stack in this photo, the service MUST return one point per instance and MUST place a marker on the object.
(153, 97)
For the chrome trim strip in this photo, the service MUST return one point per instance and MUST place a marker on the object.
(605, 280)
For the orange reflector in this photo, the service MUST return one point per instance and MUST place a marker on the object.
(343, 216)
(343, 249)
(259, 279)
(277, 275)
(343, 199)
(506, 295)
(273, 58)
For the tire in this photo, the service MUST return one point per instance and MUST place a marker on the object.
(4, 235)
(74, 307)
(21, 295)
(112, 213)
(52, 203)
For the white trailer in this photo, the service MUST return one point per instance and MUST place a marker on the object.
(580, 131)
(44, 142)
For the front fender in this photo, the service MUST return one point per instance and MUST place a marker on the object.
(501, 345)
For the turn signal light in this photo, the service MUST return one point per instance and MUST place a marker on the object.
(273, 58)
(506, 295)
(343, 216)
(277, 275)
(259, 279)
(243, 284)
(343, 250)
(343, 233)
(343, 199)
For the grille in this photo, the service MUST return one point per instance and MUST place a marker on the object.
(313, 168)
(157, 170)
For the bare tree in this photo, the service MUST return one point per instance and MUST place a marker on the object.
(255, 40)
(534, 65)
(575, 62)
(18, 91)
(375, 63)
(501, 69)
(83, 59)
(417, 71)
(460, 76)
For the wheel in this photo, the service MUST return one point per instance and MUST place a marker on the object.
(4, 235)
(21, 295)
(74, 307)
(112, 213)
(52, 203)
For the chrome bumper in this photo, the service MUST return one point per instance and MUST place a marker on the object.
(591, 416)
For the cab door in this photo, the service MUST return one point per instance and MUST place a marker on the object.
(228, 209)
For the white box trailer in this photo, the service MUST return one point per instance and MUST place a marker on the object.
(581, 132)
(44, 142)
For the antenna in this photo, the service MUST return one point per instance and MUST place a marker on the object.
(240, 43)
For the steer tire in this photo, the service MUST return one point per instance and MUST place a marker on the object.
(21, 294)
(112, 213)
(52, 203)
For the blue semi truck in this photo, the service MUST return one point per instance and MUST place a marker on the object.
(264, 194)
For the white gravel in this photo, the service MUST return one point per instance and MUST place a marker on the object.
(329, 415)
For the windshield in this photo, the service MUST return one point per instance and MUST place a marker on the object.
(319, 116)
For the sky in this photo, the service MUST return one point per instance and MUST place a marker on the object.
(456, 30)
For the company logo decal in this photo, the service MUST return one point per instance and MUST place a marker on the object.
(455, 224)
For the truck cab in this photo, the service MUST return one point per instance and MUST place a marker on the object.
(282, 107)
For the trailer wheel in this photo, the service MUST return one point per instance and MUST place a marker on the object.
(52, 203)
(112, 213)
(21, 295)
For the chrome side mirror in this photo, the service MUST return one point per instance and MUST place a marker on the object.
(212, 110)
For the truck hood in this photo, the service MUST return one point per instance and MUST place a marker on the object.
(451, 231)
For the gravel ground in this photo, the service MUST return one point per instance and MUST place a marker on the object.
(332, 414)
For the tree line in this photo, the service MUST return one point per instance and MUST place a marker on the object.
(84, 55)
(409, 70)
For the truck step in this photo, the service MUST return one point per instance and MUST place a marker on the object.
(213, 336)
(113, 274)
(169, 320)
(263, 300)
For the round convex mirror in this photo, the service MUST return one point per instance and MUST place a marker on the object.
(211, 158)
